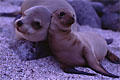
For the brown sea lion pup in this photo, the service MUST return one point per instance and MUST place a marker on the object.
(75, 49)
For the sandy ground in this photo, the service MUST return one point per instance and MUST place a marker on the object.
(12, 68)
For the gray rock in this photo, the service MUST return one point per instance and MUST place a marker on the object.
(111, 17)
(116, 7)
(86, 15)
(109, 13)
(112, 8)
(111, 21)
(107, 2)
(14, 2)
(98, 6)
(27, 50)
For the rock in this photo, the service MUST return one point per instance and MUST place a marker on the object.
(98, 6)
(111, 17)
(86, 15)
(14, 2)
(112, 8)
(27, 50)
(109, 13)
(111, 21)
(116, 7)
(2, 0)
(107, 2)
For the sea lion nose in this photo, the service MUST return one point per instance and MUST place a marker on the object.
(19, 23)
(71, 20)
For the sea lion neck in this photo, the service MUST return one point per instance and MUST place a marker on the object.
(58, 28)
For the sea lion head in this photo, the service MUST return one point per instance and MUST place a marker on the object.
(33, 24)
(63, 17)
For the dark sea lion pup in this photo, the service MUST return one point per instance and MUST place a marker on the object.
(75, 49)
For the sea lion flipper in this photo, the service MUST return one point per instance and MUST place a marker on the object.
(10, 14)
(75, 71)
(94, 64)
(112, 57)
(72, 70)
(42, 49)
(109, 41)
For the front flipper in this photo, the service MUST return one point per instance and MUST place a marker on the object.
(94, 64)
(72, 70)
(10, 14)
(112, 57)
(109, 41)
(75, 71)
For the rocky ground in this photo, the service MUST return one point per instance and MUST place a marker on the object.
(13, 68)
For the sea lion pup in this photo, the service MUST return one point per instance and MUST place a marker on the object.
(33, 23)
(74, 49)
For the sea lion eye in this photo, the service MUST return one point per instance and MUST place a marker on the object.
(62, 13)
(36, 25)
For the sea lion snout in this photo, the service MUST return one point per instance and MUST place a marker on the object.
(21, 26)
(64, 16)
(67, 19)
(71, 20)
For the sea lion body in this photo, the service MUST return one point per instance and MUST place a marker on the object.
(73, 49)
(93, 40)
(52, 5)
(29, 14)
(69, 49)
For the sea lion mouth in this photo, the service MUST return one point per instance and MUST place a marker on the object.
(69, 21)
(21, 31)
